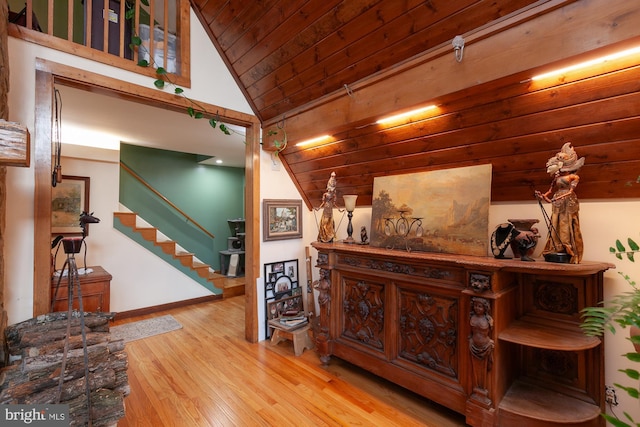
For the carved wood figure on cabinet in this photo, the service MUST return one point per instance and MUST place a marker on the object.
(481, 347)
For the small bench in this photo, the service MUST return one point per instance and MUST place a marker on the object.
(299, 336)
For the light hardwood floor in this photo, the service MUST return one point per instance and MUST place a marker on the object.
(206, 374)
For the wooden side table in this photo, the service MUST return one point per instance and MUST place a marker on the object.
(299, 336)
(95, 288)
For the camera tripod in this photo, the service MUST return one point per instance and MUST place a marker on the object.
(72, 246)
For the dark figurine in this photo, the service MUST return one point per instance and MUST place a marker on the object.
(363, 235)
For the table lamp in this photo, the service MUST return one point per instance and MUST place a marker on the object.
(350, 206)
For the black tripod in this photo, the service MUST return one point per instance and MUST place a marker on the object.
(72, 246)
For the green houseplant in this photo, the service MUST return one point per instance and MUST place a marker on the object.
(622, 310)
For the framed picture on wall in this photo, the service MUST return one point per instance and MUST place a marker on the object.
(69, 199)
(282, 219)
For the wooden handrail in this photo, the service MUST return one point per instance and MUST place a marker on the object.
(157, 193)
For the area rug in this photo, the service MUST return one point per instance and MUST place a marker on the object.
(144, 328)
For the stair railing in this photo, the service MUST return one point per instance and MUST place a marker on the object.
(164, 199)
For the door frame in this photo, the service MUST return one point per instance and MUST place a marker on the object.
(49, 74)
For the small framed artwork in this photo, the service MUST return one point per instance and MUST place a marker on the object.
(69, 199)
(282, 219)
(280, 307)
(281, 284)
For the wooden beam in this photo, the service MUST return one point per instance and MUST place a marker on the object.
(14, 144)
(547, 36)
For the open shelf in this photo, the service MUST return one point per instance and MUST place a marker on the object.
(532, 334)
(525, 400)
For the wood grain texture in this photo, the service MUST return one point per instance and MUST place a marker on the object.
(207, 374)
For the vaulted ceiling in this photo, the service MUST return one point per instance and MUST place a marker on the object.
(332, 66)
(286, 53)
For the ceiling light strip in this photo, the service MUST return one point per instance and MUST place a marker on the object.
(315, 140)
(596, 61)
(400, 116)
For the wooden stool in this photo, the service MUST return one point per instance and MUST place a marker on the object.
(300, 337)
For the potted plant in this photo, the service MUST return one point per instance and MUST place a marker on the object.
(622, 310)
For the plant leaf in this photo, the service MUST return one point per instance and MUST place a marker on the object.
(224, 129)
(633, 392)
(631, 373)
(634, 357)
(136, 41)
(143, 63)
(161, 71)
(213, 123)
(191, 111)
(620, 246)
(632, 244)
(178, 91)
(159, 83)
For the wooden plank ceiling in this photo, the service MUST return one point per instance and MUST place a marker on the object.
(287, 54)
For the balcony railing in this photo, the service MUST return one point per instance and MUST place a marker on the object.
(102, 30)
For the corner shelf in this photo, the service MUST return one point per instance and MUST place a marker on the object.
(526, 331)
(529, 401)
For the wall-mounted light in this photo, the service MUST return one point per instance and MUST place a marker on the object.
(458, 47)
(596, 61)
(312, 141)
(406, 115)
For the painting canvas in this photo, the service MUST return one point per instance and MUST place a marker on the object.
(69, 199)
(444, 211)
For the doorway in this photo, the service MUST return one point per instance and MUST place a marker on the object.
(50, 74)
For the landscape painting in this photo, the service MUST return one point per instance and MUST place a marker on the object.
(445, 211)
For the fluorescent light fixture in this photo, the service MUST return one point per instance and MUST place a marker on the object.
(405, 115)
(585, 64)
(218, 161)
(315, 140)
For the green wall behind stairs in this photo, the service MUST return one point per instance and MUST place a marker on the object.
(209, 194)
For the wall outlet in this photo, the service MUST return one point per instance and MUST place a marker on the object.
(610, 395)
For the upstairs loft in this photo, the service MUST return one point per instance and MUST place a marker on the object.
(103, 31)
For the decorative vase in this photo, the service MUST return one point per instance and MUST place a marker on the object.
(524, 244)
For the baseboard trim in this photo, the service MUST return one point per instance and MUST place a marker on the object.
(162, 307)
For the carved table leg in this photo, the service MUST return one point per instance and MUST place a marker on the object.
(324, 298)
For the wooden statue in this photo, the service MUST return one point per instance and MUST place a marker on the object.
(481, 347)
(565, 238)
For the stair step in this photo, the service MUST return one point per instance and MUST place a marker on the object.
(127, 218)
(233, 287)
(148, 233)
(185, 258)
(167, 246)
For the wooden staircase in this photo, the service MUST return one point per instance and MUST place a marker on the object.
(229, 288)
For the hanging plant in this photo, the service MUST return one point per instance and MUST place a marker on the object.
(194, 110)
(281, 143)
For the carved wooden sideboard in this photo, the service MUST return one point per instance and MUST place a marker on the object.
(496, 340)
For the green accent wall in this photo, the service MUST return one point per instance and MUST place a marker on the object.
(209, 194)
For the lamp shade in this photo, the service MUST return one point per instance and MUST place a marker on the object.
(350, 202)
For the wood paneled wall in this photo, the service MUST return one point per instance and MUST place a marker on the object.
(514, 123)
